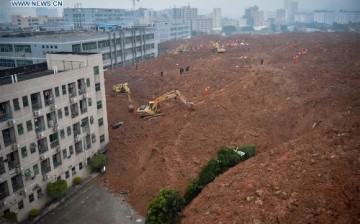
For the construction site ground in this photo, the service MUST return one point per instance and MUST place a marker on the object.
(303, 118)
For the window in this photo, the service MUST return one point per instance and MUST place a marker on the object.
(23, 152)
(67, 174)
(21, 204)
(20, 129)
(89, 102)
(96, 70)
(57, 92)
(88, 82)
(68, 130)
(73, 170)
(101, 122)
(39, 193)
(36, 169)
(23, 48)
(31, 197)
(62, 133)
(66, 111)
(32, 148)
(102, 138)
(80, 166)
(60, 113)
(6, 48)
(64, 151)
(63, 89)
(97, 87)
(99, 104)
(71, 149)
(16, 104)
(25, 101)
(29, 125)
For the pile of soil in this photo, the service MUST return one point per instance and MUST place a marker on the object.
(304, 119)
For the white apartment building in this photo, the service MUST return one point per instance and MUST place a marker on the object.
(52, 121)
(346, 17)
(172, 30)
(119, 47)
(217, 18)
(324, 16)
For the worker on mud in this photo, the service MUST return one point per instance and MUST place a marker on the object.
(161, 74)
(187, 68)
(206, 91)
(262, 61)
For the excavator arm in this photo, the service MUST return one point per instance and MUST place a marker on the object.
(152, 108)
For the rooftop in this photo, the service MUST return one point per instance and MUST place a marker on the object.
(23, 73)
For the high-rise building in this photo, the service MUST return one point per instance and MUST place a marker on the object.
(291, 8)
(217, 18)
(250, 14)
(185, 13)
(203, 24)
(280, 17)
(53, 120)
(304, 18)
(172, 30)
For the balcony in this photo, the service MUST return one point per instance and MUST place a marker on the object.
(5, 116)
(13, 164)
(42, 149)
(49, 102)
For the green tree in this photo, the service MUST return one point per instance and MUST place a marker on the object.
(165, 208)
(98, 161)
(228, 30)
(57, 189)
(192, 191)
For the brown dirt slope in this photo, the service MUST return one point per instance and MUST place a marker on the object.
(303, 117)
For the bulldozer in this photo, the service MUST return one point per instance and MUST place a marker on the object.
(215, 47)
(181, 48)
(124, 89)
(153, 109)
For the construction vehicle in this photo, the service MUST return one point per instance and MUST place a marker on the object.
(215, 47)
(181, 48)
(153, 109)
(123, 89)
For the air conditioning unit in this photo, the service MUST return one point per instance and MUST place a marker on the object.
(53, 107)
(37, 112)
(85, 95)
(23, 192)
(56, 127)
(72, 100)
(77, 138)
(19, 170)
(40, 135)
(43, 157)
(11, 122)
(16, 146)
(3, 204)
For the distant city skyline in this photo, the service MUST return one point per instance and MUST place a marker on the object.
(228, 8)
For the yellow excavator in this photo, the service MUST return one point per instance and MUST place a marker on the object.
(123, 89)
(152, 108)
(215, 46)
(181, 48)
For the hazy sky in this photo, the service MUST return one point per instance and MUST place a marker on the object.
(230, 8)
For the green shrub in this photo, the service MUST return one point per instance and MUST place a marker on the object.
(77, 180)
(165, 208)
(192, 191)
(34, 213)
(11, 216)
(98, 161)
(57, 189)
(209, 172)
(249, 150)
(228, 158)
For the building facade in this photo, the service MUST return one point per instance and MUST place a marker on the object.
(52, 122)
(89, 18)
(203, 24)
(324, 16)
(217, 18)
(172, 30)
(118, 47)
(346, 17)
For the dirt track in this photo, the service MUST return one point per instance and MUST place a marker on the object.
(303, 117)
